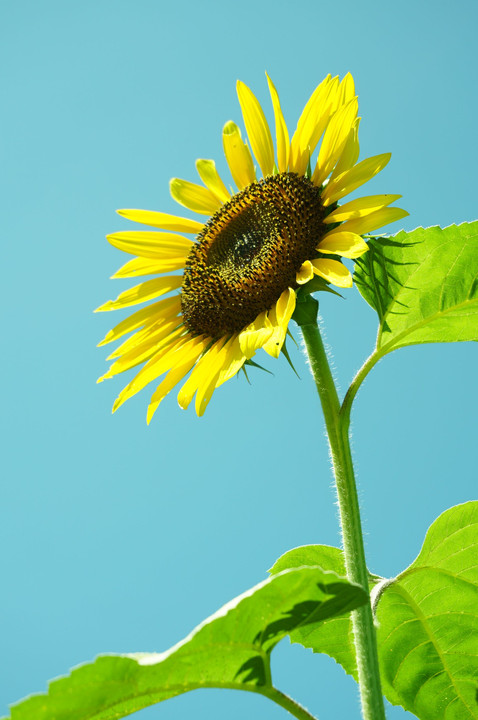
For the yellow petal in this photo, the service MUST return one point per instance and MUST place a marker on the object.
(143, 292)
(351, 179)
(210, 378)
(225, 365)
(150, 327)
(145, 266)
(153, 332)
(201, 369)
(163, 308)
(210, 177)
(305, 273)
(360, 208)
(347, 244)
(195, 197)
(173, 377)
(335, 138)
(257, 128)
(346, 90)
(375, 220)
(255, 335)
(162, 220)
(234, 361)
(350, 153)
(171, 355)
(150, 244)
(312, 124)
(285, 307)
(143, 351)
(282, 136)
(333, 271)
(298, 140)
(280, 316)
(238, 156)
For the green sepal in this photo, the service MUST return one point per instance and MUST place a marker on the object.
(306, 310)
(285, 352)
(251, 363)
(316, 284)
(289, 334)
(308, 172)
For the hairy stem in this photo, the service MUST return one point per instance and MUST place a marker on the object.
(356, 383)
(289, 704)
(337, 425)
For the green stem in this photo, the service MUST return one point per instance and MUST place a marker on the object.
(356, 383)
(289, 704)
(337, 425)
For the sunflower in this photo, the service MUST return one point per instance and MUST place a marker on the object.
(236, 291)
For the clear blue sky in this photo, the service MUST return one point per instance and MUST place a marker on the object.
(121, 537)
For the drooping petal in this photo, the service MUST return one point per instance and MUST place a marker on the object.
(195, 197)
(151, 345)
(375, 220)
(152, 333)
(280, 316)
(257, 128)
(333, 271)
(238, 156)
(282, 135)
(285, 307)
(234, 361)
(211, 178)
(334, 140)
(162, 309)
(305, 273)
(351, 179)
(360, 208)
(200, 370)
(143, 335)
(150, 244)
(347, 244)
(172, 354)
(145, 266)
(143, 292)
(162, 220)
(209, 380)
(255, 335)
(174, 376)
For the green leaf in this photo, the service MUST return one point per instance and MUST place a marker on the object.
(428, 623)
(231, 649)
(423, 285)
(333, 636)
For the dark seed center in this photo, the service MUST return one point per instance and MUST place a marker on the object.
(250, 252)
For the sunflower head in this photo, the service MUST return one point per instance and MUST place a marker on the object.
(240, 273)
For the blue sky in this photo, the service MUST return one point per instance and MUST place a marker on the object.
(118, 537)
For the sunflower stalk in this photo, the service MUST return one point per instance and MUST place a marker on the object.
(337, 425)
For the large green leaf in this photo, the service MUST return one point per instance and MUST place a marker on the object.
(423, 285)
(333, 636)
(428, 623)
(229, 650)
